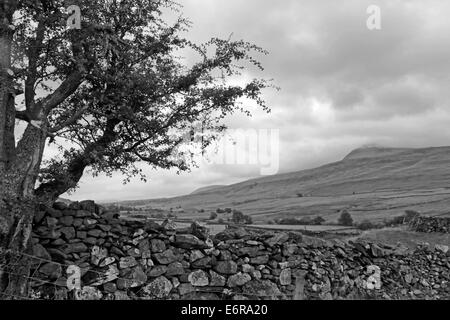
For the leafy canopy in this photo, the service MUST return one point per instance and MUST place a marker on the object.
(119, 91)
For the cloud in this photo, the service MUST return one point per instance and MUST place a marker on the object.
(342, 85)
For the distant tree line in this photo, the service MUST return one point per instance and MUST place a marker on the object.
(346, 219)
(306, 221)
(237, 217)
(223, 211)
(407, 217)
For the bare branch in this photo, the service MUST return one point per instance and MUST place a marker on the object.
(71, 120)
(33, 53)
(67, 87)
(22, 115)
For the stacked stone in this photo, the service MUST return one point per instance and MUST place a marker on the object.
(122, 259)
(431, 224)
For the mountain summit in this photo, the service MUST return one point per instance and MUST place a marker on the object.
(371, 151)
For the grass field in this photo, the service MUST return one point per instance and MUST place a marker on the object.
(371, 183)
(215, 228)
(300, 228)
(393, 236)
(375, 206)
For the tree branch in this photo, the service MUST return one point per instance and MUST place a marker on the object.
(67, 87)
(49, 191)
(71, 120)
(22, 115)
(33, 54)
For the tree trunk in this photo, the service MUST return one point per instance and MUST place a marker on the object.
(7, 109)
(16, 203)
(18, 171)
(17, 208)
(19, 165)
(16, 225)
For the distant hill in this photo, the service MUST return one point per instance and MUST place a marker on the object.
(207, 189)
(375, 152)
(66, 201)
(371, 182)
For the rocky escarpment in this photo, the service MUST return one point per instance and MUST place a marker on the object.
(120, 259)
(431, 224)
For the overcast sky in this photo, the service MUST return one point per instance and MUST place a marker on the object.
(342, 85)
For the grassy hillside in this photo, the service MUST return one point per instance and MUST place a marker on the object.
(370, 182)
(207, 189)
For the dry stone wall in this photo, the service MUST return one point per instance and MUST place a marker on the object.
(431, 224)
(118, 259)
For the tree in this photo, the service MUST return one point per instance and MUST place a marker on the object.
(366, 225)
(305, 221)
(345, 219)
(237, 217)
(212, 216)
(318, 221)
(248, 219)
(110, 95)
